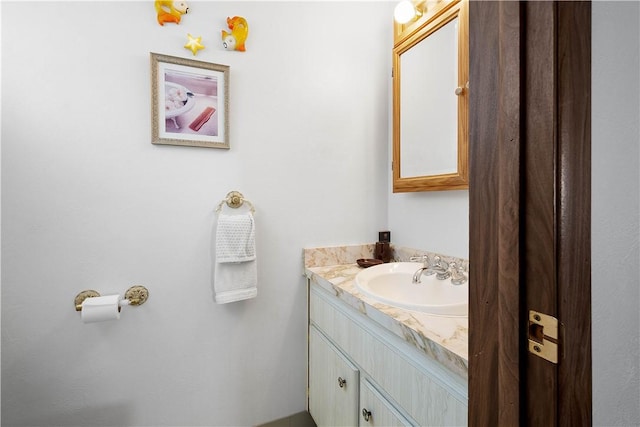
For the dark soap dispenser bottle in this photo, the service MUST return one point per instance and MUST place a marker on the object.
(383, 247)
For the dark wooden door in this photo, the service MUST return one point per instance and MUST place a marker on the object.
(529, 210)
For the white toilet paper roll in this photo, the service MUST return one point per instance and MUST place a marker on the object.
(99, 309)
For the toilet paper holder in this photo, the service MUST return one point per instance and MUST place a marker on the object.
(135, 295)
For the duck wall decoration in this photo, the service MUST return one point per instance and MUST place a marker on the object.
(170, 11)
(239, 32)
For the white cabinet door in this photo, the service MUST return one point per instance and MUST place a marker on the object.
(375, 410)
(333, 384)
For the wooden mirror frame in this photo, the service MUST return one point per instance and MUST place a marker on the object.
(405, 37)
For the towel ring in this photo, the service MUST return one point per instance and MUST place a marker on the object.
(234, 200)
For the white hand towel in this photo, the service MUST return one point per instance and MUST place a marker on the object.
(235, 281)
(236, 274)
(235, 238)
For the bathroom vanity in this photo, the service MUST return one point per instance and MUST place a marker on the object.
(375, 364)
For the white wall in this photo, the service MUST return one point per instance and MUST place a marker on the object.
(616, 214)
(89, 202)
(436, 221)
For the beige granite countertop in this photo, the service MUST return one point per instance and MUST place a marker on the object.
(442, 338)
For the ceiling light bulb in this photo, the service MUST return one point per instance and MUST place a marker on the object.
(404, 12)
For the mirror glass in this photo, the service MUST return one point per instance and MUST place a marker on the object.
(430, 102)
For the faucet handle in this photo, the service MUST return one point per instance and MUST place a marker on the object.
(457, 274)
(422, 258)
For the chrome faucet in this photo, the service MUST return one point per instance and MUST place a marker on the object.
(439, 267)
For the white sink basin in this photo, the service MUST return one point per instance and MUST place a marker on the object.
(391, 284)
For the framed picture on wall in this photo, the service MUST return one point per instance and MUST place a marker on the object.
(189, 102)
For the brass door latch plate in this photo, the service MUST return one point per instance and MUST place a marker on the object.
(543, 336)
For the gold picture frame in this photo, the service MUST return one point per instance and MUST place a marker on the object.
(189, 102)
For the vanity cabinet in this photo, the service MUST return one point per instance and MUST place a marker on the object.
(385, 380)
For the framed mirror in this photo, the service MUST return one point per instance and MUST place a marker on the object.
(430, 99)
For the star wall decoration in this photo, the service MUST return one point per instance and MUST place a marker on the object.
(194, 44)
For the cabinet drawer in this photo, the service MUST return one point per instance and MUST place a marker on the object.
(375, 410)
(425, 390)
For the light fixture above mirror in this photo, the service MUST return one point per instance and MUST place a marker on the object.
(406, 11)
